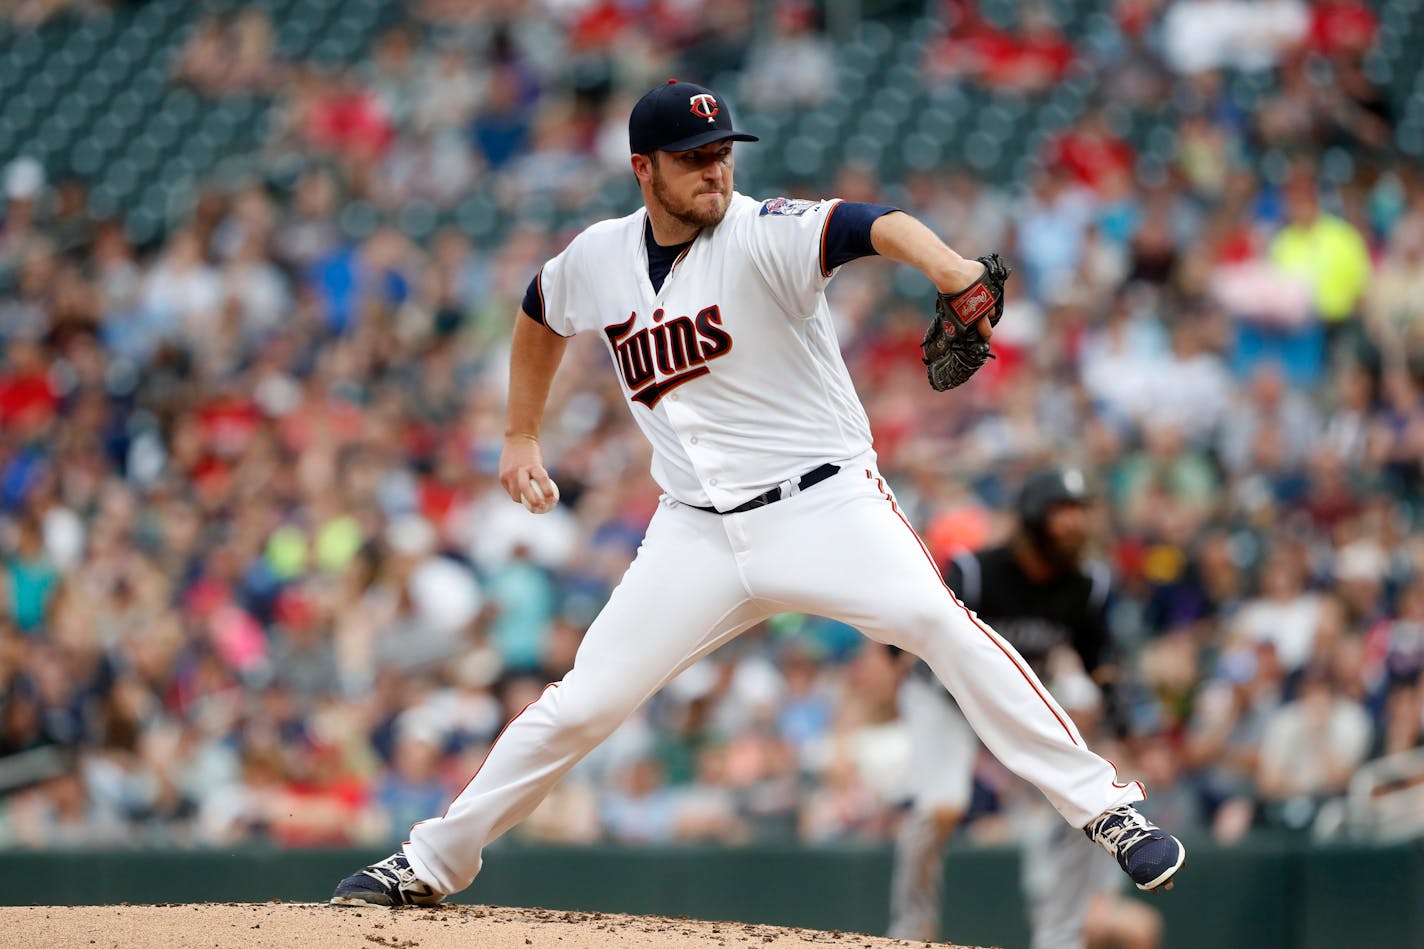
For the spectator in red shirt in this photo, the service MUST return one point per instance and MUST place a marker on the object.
(323, 802)
(1029, 59)
(27, 397)
(228, 421)
(1341, 28)
(347, 118)
(1091, 153)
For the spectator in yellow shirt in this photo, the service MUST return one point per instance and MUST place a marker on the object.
(1328, 253)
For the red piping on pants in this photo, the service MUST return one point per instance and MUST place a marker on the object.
(551, 685)
(880, 485)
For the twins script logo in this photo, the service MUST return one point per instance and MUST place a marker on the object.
(705, 107)
(656, 360)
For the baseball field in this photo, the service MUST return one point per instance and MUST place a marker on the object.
(319, 925)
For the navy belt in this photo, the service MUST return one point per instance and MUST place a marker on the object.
(814, 476)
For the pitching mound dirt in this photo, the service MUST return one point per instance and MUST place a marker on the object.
(318, 925)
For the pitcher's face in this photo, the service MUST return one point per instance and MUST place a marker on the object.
(695, 186)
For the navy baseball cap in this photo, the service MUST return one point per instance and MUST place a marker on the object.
(679, 116)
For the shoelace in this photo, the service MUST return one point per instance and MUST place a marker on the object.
(391, 873)
(1129, 829)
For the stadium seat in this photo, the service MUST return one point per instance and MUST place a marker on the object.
(876, 36)
(94, 95)
(357, 220)
(1411, 140)
(922, 152)
(417, 220)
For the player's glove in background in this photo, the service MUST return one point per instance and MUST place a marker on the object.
(953, 348)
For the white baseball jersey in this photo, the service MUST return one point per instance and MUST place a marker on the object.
(732, 368)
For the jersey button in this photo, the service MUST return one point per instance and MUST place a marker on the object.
(675, 397)
(713, 482)
(693, 439)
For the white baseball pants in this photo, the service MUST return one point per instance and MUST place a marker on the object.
(840, 549)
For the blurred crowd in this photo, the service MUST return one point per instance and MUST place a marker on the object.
(258, 582)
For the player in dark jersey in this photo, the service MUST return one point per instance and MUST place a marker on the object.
(1043, 596)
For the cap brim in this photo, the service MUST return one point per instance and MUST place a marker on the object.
(707, 138)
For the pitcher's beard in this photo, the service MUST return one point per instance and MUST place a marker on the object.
(690, 214)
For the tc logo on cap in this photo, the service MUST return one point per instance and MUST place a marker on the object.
(704, 106)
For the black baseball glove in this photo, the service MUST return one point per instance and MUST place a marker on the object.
(953, 348)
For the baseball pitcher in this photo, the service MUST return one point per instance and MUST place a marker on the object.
(713, 309)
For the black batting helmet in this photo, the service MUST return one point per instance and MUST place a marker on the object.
(1045, 487)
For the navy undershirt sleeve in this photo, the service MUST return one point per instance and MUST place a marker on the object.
(848, 232)
(533, 305)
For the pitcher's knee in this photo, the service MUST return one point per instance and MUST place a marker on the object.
(912, 624)
(589, 722)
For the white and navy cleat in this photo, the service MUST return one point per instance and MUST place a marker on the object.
(389, 883)
(1147, 854)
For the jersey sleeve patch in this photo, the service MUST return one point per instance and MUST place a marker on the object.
(787, 206)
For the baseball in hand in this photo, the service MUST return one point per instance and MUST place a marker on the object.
(538, 506)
